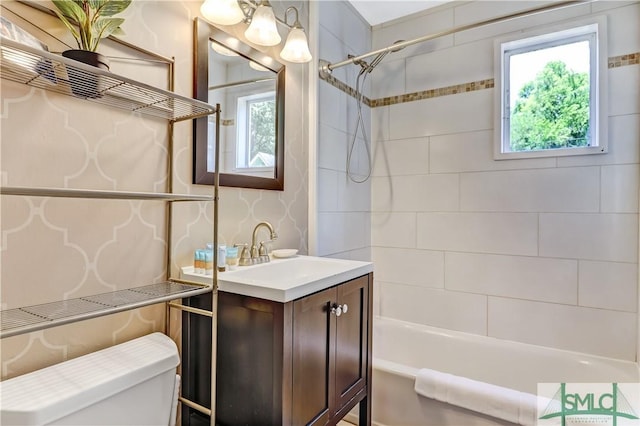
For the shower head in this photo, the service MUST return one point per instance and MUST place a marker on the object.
(367, 67)
(380, 56)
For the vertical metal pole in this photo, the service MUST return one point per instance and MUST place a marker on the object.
(169, 186)
(214, 295)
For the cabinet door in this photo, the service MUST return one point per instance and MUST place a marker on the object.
(313, 358)
(351, 340)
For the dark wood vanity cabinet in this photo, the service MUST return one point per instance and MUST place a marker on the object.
(304, 362)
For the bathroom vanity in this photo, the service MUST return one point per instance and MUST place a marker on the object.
(293, 350)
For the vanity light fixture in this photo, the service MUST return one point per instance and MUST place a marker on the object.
(262, 22)
(296, 49)
(222, 12)
(262, 29)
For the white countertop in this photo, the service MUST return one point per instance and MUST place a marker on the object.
(283, 280)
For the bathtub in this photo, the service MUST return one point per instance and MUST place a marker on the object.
(400, 349)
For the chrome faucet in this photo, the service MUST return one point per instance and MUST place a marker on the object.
(260, 255)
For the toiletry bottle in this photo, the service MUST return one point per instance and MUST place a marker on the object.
(199, 262)
(208, 269)
(232, 258)
(222, 258)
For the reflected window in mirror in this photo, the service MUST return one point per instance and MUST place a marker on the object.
(249, 86)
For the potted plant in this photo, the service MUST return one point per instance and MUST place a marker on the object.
(95, 20)
(89, 21)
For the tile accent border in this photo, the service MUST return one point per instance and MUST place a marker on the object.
(346, 89)
(434, 93)
(624, 60)
(613, 62)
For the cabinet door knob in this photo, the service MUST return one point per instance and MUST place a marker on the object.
(336, 309)
(345, 308)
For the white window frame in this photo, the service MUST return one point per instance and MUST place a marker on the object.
(594, 29)
(242, 129)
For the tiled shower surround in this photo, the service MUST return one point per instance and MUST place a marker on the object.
(540, 250)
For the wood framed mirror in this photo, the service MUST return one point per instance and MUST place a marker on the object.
(250, 87)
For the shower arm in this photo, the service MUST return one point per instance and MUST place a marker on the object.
(326, 67)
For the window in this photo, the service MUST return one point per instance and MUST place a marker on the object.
(256, 132)
(550, 88)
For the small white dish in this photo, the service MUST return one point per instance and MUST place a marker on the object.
(283, 253)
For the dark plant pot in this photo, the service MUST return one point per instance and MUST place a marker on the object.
(85, 84)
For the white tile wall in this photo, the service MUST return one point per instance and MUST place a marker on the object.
(343, 222)
(351, 197)
(388, 80)
(624, 90)
(327, 194)
(500, 233)
(573, 189)
(442, 115)
(473, 151)
(332, 148)
(595, 331)
(532, 278)
(380, 124)
(608, 285)
(343, 22)
(620, 188)
(446, 309)
(391, 159)
(409, 266)
(627, 41)
(393, 230)
(611, 237)
(448, 67)
(413, 28)
(333, 107)
(418, 193)
(342, 232)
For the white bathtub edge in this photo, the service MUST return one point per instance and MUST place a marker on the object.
(395, 368)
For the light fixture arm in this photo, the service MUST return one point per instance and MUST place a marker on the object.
(248, 7)
(296, 22)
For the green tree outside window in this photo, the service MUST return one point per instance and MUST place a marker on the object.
(552, 111)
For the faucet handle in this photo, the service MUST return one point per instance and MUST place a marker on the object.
(262, 253)
(245, 258)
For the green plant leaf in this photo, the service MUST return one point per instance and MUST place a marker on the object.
(104, 27)
(112, 7)
(91, 18)
(70, 9)
(97, 4)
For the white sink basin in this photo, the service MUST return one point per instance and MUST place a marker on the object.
(283, 280)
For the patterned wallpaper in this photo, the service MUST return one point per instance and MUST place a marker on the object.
(55, 249)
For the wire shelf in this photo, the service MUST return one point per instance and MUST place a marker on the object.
(55, 73)
(32, 318)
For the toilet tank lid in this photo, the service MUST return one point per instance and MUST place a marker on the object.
(56, 391)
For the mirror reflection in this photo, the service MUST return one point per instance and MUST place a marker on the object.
(246, 92)
(249, 86)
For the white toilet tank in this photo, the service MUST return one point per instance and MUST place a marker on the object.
(134, 383)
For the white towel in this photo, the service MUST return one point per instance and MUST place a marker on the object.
(495, 401)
